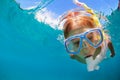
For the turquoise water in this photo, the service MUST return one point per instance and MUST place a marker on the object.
(29, 50)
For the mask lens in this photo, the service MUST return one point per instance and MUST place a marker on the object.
(73, 45)
(94, 37)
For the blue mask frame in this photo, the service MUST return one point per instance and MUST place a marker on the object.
(82, 37)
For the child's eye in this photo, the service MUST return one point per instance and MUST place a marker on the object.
(77, 42)
(90, 37)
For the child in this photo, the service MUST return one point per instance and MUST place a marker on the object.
(85, 39)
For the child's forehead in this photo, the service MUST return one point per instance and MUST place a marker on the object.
(78, 31)
(71, 14)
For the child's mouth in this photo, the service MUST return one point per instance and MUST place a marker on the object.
(84, 50)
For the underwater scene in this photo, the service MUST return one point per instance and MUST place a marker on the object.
(32, 43)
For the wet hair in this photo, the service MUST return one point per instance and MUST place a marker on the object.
(82, 21)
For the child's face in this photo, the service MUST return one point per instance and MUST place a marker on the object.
(87, 49)
(77, 25)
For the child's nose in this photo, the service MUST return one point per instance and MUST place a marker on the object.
(95, 38)
(84, 45)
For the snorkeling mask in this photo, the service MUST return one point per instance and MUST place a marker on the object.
(75, 43)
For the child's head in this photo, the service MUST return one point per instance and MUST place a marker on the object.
(77, 23)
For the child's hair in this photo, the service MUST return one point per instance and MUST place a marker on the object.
(81, 20)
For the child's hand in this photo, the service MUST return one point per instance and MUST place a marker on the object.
(112, 55)
(72, 56)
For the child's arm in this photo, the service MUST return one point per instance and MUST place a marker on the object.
(110, 46)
